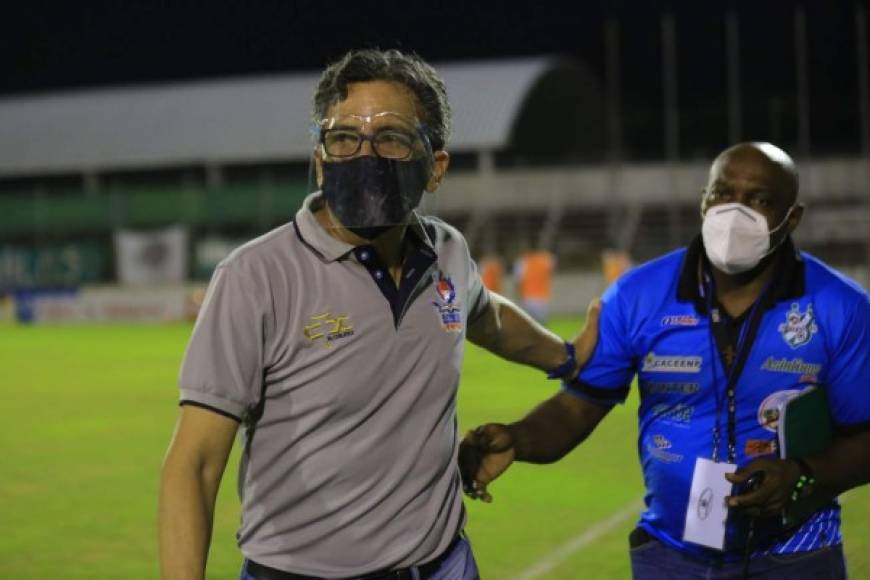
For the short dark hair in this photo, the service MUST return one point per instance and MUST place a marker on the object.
(388, 65)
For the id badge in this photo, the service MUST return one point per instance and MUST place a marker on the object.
(707, 513)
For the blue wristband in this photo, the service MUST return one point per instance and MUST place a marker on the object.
(565, 369)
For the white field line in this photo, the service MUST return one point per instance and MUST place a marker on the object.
(577, 543)
(593, 533)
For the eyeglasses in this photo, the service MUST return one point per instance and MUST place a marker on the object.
(387, 143)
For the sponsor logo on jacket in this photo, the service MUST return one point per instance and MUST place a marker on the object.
(654, 363)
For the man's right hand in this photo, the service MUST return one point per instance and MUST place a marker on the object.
(484, 454)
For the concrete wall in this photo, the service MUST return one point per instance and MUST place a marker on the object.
(822, 180)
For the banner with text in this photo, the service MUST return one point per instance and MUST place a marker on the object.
(56, 265)
(145, 258)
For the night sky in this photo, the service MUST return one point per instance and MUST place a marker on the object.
(47, 47)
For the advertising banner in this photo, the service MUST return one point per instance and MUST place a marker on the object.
(107, 304)
(58, 265)
(145, 258)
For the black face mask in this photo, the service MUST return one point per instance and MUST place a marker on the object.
(370, 194)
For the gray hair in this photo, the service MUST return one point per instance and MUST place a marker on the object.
(388, 65)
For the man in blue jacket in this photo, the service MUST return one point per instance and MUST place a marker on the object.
(720, 334)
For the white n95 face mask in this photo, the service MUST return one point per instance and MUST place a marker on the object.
(737, 238)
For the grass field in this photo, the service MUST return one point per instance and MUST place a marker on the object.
(88, 412)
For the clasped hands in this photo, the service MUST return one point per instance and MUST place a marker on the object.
(487, 451)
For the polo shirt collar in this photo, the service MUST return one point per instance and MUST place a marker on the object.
(788, 278)
(330, 248)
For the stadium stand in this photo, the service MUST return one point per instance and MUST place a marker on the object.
(230, 159)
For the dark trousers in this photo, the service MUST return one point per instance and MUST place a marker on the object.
(653, 560)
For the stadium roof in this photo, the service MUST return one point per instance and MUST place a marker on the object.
(260, 119)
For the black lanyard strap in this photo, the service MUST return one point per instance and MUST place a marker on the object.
(733, 358)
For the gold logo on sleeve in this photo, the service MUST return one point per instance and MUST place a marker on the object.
(325, 328)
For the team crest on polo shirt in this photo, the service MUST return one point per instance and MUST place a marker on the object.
(799, 327)
(449, 310)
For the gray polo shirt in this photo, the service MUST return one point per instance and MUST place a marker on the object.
(346, 388)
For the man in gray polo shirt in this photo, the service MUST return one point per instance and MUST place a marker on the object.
(336, 342)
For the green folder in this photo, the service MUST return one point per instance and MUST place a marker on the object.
(804, 429)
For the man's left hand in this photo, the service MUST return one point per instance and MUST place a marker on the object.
(772, 495)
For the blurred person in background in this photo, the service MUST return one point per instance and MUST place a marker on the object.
(5, 308)
(533, 272)
(334, 344)
(614, 263)
(492, 271)
(720, 335)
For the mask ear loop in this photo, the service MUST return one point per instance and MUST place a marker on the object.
(427, 150)
(703, 205)
(784, 221)
(429, 154)
(314, 133)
